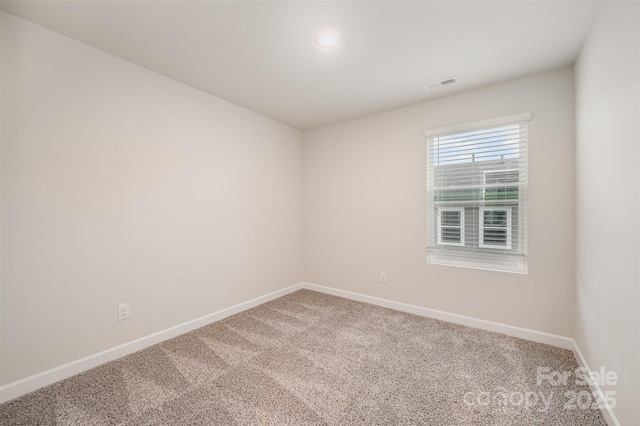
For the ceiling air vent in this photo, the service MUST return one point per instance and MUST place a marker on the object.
(441, 83)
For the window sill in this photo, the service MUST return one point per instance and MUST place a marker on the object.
(487, 261)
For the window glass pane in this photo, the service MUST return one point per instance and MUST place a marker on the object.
(493, 144)
(450, 235)
(495, 218)
(501, 193)
(450, 218)
(495, 237)
(459, 195)
(502, 176)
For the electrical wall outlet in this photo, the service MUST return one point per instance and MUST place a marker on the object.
(124, 311)
(383, 277)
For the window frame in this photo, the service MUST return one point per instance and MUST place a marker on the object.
(512, 258)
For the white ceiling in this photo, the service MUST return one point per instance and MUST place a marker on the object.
(262, 55)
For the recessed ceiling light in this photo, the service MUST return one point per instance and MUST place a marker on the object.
(327, 38)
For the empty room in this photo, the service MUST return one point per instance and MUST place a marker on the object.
(319, 213)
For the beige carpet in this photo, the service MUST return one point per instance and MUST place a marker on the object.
(313, 359)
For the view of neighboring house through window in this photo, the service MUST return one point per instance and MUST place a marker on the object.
(450, 222)
(495, 227)
(476, 187)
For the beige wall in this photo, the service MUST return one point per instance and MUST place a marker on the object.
(365, 207)
(121, 185)
(607, 231)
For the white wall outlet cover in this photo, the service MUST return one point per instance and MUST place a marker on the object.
(124, 311)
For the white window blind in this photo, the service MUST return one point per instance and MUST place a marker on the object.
(476, 189)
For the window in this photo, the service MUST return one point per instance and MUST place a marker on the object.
(476, 188)
(451, 226)
(495, 228)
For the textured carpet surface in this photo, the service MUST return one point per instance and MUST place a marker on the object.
(314, 359)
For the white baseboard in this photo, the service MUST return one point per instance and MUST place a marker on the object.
(607, 412)
(37, 381)
(509, 330)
